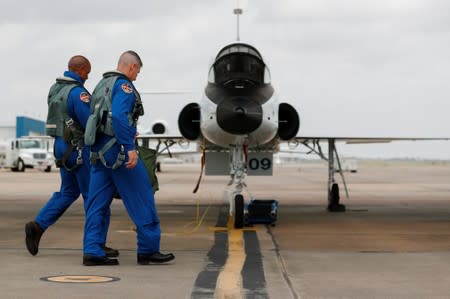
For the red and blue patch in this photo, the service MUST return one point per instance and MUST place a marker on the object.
(126, 87)
(85, 97)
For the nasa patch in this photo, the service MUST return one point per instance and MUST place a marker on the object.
(85, 97)
(127, 88)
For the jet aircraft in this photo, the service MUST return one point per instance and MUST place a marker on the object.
(239, 123)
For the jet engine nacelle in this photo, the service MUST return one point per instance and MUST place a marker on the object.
(189, 121)
(288, 122)
(159, 127)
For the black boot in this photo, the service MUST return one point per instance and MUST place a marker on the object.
(33, 234)
(90, 260)
(111, 252)
(154, 258)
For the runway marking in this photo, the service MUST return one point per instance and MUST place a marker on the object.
(233, 271)
(205, 284)
(80, 279)
(243, 273)
(254, 281)
(229, 282)
(226, 229)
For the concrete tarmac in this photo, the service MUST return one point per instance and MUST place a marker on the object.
(393, 241)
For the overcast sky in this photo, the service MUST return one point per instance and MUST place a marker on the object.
(350, 67)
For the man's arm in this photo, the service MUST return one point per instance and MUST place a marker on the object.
(122, 105)
(78, 105)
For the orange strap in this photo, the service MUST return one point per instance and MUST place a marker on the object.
(202, 161)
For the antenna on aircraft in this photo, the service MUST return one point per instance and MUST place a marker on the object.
(237, 11)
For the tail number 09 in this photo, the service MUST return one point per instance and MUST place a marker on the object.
(260, 164)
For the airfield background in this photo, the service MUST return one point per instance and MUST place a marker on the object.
(24, 126)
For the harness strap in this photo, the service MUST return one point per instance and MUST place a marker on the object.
(75, 140)
(100, 155)
(66, 156)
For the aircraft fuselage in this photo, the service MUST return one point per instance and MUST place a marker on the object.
(239, 106)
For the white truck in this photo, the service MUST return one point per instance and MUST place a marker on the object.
(27, 152)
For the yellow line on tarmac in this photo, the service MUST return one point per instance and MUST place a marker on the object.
(229, 282)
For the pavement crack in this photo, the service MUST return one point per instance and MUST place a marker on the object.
(282, 263)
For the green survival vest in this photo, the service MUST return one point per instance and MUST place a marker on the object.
(100, 120)
(59, 123)
(57, 106)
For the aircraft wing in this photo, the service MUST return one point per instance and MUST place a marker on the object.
(358, 140)
(314, 142)
(168, 145)
(165, 141)
(160, 137)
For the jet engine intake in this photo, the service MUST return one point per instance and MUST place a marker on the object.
(288, 122)
(159, 128)
(189, 121)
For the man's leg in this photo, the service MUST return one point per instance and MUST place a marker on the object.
(137, 195)
(83, 177)
(101, 190)
(53, 209)
(60, 201)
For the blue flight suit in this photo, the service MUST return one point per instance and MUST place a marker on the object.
(133, 185)
(77, 181)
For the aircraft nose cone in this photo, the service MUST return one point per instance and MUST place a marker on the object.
(239, 110)
(239, 115)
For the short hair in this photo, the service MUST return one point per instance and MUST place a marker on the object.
(125, 57)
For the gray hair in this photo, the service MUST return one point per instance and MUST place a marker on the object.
(130, 57)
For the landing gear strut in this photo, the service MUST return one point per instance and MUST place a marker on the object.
(333, 187)
(256, 211)
(237, 183)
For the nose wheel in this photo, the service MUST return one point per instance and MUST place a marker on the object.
(239, 211)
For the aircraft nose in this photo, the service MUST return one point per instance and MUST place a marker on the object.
(239, 110)
(239, 115)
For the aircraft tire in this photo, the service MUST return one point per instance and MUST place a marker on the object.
(334, 205)
(334, 194)
(239, 211)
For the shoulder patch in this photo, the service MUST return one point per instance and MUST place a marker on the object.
(85, 97)
(126, 87)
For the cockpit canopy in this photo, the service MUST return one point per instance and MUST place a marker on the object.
(239, 64)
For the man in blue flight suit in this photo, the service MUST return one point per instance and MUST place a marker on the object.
(116, 166)
(69, 110)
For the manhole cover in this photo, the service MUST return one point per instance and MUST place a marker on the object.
(80, 278)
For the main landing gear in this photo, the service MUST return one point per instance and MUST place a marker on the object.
(333, 188)
(333, 200)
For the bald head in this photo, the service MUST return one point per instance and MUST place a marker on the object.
(130, 64)
(80, 65)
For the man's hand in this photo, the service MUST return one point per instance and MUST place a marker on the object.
(132, 159)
